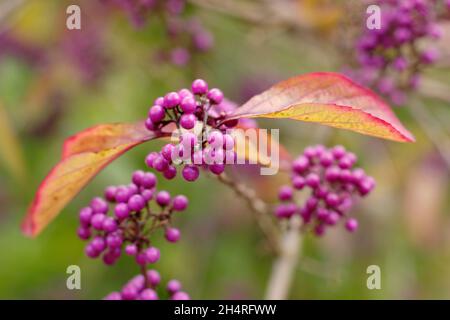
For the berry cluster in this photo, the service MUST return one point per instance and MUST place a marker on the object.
(134, 219)
(187, 36)
(203, 141)
(143, 287)
(333, 182)
(392, 58)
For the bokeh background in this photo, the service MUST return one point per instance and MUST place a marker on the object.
(55, 82)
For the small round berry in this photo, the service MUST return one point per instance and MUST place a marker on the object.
(187, 121)
(326, 159)
(148, 180)
(332, 199)
(184, 93)
(351, 224)
(188, 105)
(136, 203)
(137, 177)
(333, 218)
(312, 180)
(190, 173)
(332, 174)
(153, 277)
(170, 172)
(129, 293)
(180, 295)
(121, 211)
(148, 294)
(98, 243)
(150, 158)
(298, 182)
(322, 214)
(122, 194)
(338, 152)
(171, 100)
(131, 249)
(172, 234)
(147, 194)
(109, 224)
(91, 252)
(300, 164)
(167, 151)
(152, 254)
(285, 193)
(99, 205)
(132, 189)
(180, 203)
(199, 87)
(114, 240)
(173, 286)
(84, 233)
(215, 96)
(150, 125)
(109, 258)
(156, 114)
(163, 198)
(86, 216)
(97, 221)
(159, 101)
(217, 168)
(110, 193)
(160, 164)
(216, 139)
(285, 210)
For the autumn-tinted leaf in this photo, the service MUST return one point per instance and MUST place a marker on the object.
(84, 155)
(329, 99)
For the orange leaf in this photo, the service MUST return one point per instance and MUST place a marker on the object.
(84, 155)
(329, 99)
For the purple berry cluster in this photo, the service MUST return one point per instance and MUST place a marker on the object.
(203, 141)
(144, 287)
(138, 210)
(186, 36)
(391, 59)
(333, 182)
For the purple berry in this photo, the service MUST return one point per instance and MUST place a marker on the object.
(152, 254)
(150, 158)
(109, 224)
(180, 203)
(199, 87)
(98, 243)
(98, 205)
(153, 277)
(190, 173)
(173, 286)
(110, 193)
(188, 105)
(285, 193)
(148, 294)
(85, 216)
(172, 234)
(131, 250)
(160, 164)
(136, 203)
(121, 211)
(351, 225)
(180, 295)
(215, 96)
(171, 100)
(163, 198)
(84, 233)
(187, 121)
(156, 114)
(97, 221)
(170, 172)
(148, 180)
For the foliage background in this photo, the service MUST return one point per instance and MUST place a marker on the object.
(404, 223)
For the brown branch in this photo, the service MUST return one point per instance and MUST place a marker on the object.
(260, 209)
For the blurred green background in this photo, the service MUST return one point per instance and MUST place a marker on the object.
(46, 96)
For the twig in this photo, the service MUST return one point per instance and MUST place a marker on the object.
(259, 208)
(285, 264)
